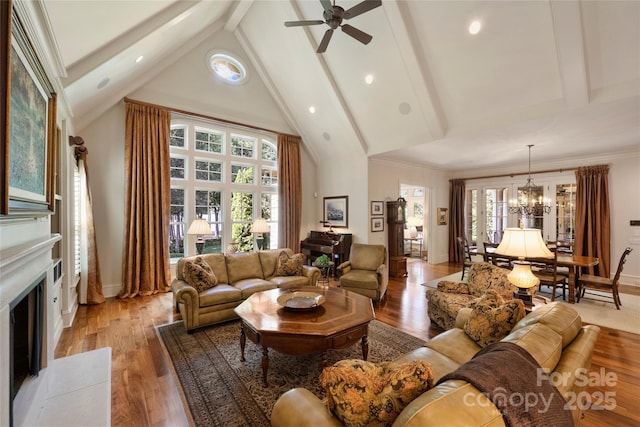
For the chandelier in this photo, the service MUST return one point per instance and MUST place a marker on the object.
(528, 205)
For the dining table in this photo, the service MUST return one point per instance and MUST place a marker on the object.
(574, 263)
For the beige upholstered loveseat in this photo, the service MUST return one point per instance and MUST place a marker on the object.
(553, 335)
(445, 301)
(239, 275)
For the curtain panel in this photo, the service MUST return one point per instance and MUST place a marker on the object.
(145, 258)
(456, 218)
(593, 220)
(90, 289)
(289, 192)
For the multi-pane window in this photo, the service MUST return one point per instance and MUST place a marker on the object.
(208, 171)
(226, 176)
(242, 174)
(269, 211)
(269, 176)
(177, 136)
(209, 141)
(471, 217)
(242, 146)
(176, 223)
(177, 167)
(241, 219)
(269, 151)
(496, 213)
(209, 207)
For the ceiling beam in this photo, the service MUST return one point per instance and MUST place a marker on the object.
(236, 15)
(567, 29)
(417, 68)
(177, 11)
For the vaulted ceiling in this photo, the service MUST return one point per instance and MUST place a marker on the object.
(563, 75)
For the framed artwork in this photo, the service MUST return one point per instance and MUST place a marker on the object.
(336, 211)
(377, 224)
(377, 208)
(28, 152)
(443, 218)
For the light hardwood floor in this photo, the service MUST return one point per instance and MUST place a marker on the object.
(144, 392)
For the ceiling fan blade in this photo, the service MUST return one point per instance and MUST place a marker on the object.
(361, 8)
(325, 41)
(301, 23)
(326, 5)
(361, 36)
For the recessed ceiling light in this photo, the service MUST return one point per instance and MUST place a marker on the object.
(312, 109)
(475, 27)
(139, 58)
(368, 79)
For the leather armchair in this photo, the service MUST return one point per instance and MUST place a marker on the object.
(366, 272)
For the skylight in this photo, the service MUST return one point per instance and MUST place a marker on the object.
(228, 68)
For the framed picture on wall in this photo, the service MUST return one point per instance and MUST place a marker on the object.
(377, 224)
(29, 121)
(443, 218)
(377, 208)
(336, 211)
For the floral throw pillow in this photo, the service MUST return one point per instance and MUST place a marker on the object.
(198, 274)
(289, 265)
(492, 318)
(361, 393)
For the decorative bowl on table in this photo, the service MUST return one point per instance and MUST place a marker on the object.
(301, 300)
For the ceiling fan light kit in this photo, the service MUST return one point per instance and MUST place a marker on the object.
(334, 15)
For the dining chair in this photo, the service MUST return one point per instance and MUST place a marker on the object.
(547, 271)
(490, 256)
(603, 283)
(464, 254)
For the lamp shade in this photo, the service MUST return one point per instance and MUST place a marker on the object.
(260, 226)
(199, 226)
(523, 243)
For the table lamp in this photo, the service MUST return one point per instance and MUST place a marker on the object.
(523, 243)
(199, 227)
(259, 227)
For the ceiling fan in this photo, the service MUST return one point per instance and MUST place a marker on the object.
(333, 17)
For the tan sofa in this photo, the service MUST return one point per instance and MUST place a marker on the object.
(445, 301)
(239, 276)
(552, 334)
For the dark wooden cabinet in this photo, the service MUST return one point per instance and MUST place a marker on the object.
(396, 218)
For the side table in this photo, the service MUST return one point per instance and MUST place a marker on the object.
(324, 272)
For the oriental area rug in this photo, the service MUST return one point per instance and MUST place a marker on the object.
(221, 390)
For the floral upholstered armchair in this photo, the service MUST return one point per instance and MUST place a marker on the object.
(445, 301)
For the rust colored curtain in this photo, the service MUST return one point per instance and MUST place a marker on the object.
(145, 258)
(593, 226)
(90, 290)
(289, 192)
(456, 218)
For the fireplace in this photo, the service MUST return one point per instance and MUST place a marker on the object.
(25, 337)
(27, 334)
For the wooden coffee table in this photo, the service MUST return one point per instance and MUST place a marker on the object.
(338, 323)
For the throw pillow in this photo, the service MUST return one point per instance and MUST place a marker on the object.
(289, 265)
(361, 393)
(198, 274)
(492, 318)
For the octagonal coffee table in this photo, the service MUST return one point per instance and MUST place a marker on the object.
(339, 322)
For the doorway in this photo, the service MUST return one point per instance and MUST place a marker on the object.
(416, 233)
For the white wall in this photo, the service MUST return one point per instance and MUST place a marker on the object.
(384, 184)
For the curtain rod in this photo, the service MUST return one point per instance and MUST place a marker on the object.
(204, 116)
(517, 173)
